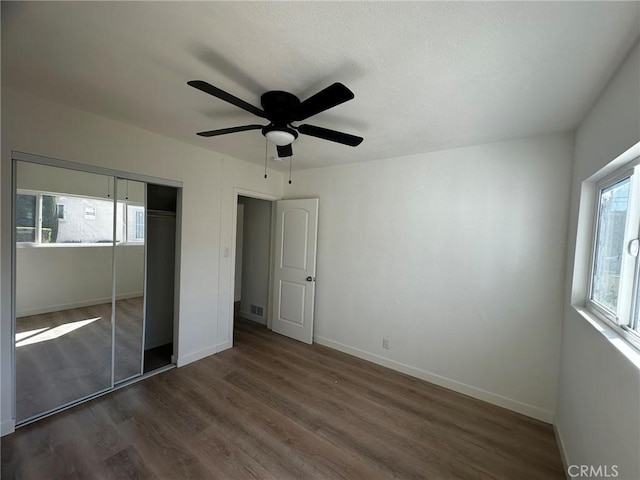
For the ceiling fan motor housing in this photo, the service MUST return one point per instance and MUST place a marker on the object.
(279, 107)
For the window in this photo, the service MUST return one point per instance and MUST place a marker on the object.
(135, 223)
(614, 281)
(61, 210)
(139, 233)
(26, 215)
(90, 212)
(607, 266)
(36, 218)
(43, 218)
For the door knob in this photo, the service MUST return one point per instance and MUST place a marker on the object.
(309, 279)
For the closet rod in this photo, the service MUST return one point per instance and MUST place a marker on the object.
(160, 213)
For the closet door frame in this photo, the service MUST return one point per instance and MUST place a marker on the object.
(17, 156)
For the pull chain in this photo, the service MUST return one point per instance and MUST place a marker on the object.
(108, 188)
(266, 144)
(290, 160)
(127, 193)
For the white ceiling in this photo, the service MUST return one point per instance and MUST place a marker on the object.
(426, 76)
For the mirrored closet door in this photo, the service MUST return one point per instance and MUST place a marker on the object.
(129, 285)
(94, 261)
(63, 286)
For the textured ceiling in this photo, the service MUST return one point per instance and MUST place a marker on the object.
(426, 76)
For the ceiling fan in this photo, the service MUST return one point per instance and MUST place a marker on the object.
(282, 109)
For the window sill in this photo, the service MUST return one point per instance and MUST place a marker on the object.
(613, 337)
(76, 245)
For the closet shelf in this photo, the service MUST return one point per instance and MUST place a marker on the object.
(160, 213)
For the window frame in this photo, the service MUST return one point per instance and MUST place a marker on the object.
(131, 220)
(628, 293)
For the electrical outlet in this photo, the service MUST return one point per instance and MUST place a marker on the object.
(385, 343)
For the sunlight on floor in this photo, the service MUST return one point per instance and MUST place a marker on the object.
(43, 334)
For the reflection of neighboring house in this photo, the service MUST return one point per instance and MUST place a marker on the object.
(84, 220)
(76, 219)
(612, 218)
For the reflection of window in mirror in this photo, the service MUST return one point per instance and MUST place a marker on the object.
(42, 218)
(26, 214)
(62, 210)
(130, 212)
(135, 223)
(62, 287)
(89, 219)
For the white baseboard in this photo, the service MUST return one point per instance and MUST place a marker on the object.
(7, 427)
(195, 356)
(205, 352)
(563, 451)
(253, 318)
(515, 405)
(68, 306)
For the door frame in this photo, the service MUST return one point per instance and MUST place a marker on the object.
(243, 192)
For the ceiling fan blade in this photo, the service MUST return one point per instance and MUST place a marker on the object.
(227, 97)
(224, 131)
(331, 135)
(285, 151)
(323, 100)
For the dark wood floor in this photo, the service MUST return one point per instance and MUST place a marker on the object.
(274, 408)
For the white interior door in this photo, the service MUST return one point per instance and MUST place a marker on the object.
(295, 268)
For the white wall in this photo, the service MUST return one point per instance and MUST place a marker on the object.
(33, 125)
(49, 279)
(52, 278)
(256, 257)
(598, 418)
(240, 179)
(458, 257)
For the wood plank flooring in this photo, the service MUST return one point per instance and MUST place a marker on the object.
(59, 358)
(273, 408)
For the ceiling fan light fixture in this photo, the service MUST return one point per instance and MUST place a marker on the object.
(280, 137)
